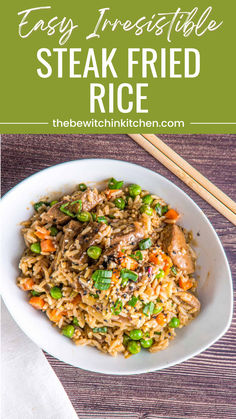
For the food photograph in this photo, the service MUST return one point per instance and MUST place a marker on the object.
(117, 267)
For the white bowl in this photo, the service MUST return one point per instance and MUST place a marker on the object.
(215, 284)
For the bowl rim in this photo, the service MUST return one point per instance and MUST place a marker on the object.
(141, 370)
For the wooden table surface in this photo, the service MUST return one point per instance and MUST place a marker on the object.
(203, 387)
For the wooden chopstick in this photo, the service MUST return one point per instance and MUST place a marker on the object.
(183, 170)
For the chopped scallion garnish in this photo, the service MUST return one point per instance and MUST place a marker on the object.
(100, 329)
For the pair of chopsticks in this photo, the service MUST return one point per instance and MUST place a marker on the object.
(184, 171)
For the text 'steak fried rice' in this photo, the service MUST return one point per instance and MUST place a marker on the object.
(110, 268)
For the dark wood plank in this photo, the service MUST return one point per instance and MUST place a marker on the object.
(203, 387)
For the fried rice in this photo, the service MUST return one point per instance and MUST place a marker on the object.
(110, 268)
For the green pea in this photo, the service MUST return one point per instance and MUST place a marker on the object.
(94, 252)
(35, 247)
(126, 340)
(56, 293)
(119, 203)
(53, 231)
(136, 334)
(134, 347)
(84, 216)
(82, 187)
(174, 322)
(160, 274)
(68, 331)
(146, 209)
(134, 190)
(146, 343)
(53, 203)
(147, 199)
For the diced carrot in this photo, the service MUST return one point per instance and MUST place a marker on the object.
(161, 319)
(47, 246)
(54, 315)
(127, 262)
(37, 302)
(154, 258)
(168, 263)
(42, 232)
(77, 299)
(27, 284)
(115, 275)
(172, 214)
(185, 284)
(109, 193)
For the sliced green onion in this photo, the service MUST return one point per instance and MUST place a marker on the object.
(145, 244)
(102, 219)
(137, 255)
(100, 329)
(53, 231)
(124, 282)
(102, 279)
(147, 199)
(117, 308)
(36, 293)
(94, 217)
(37, 205)
(174, 270)
(83, 216)
(82, 187)
(161, 209)
(35, 247)
(101, 273)
(119, 203)
(63, 207)
(94, 295)
(157, 309)
(115, 184)
(127, 273)
(160, 274)
(53, 203)
(102, 284)
(75, 321)
(132, 302)
(148, 308)
(94, 252)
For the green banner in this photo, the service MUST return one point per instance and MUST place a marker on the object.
(118, 66)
